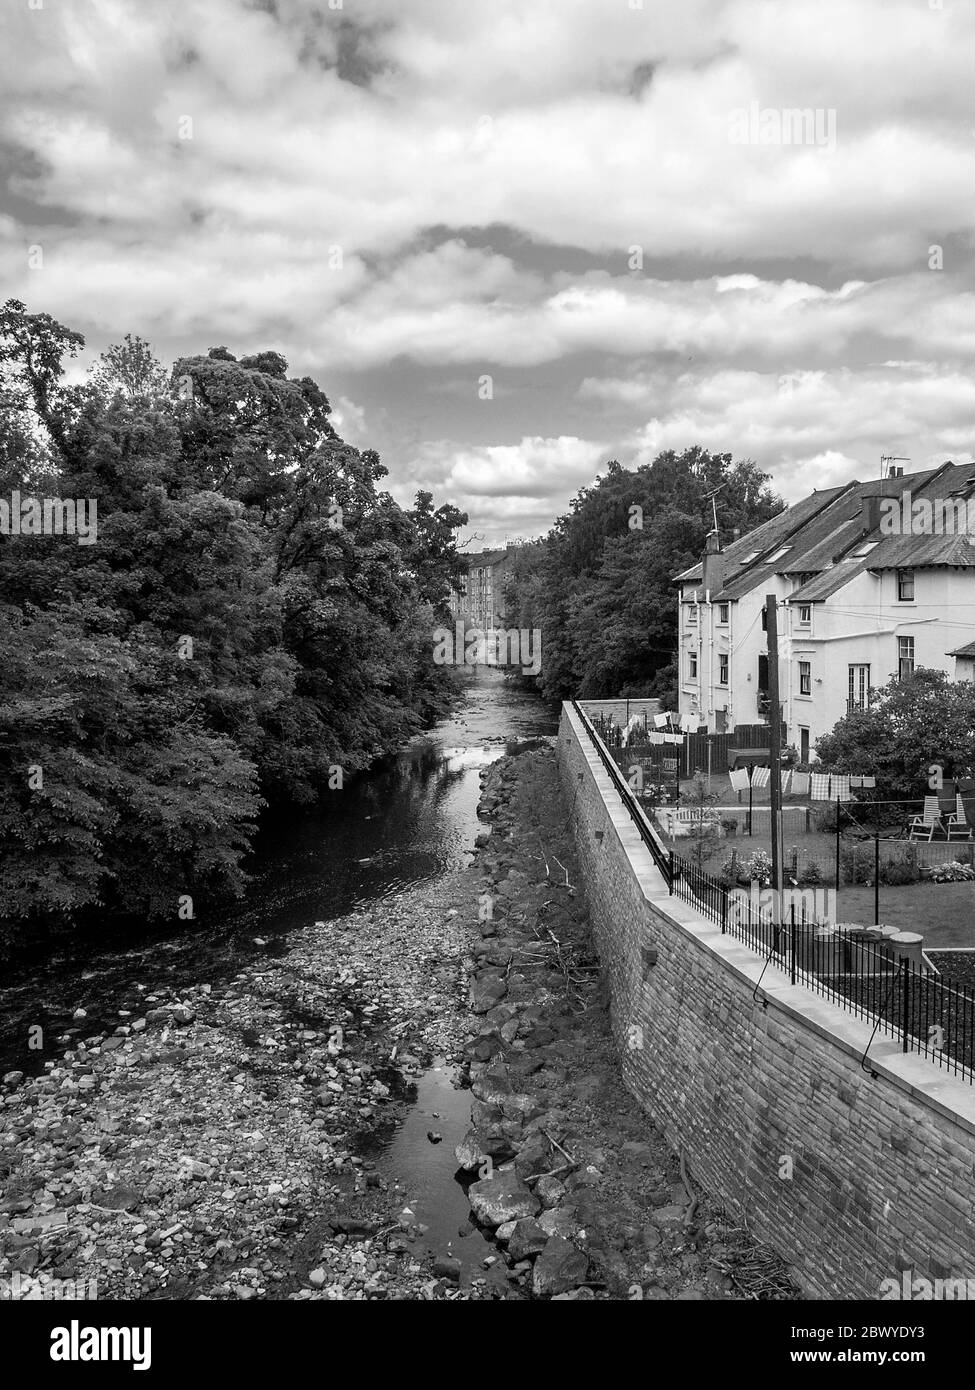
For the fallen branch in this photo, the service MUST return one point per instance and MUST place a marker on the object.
(556, 1145)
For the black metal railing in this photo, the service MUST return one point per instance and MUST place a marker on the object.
(647, 833)
(859, 968)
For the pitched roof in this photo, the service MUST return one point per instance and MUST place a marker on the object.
(968, 650)
(775, 532)
(826, 538)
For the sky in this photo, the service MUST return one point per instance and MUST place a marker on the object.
(516, 239)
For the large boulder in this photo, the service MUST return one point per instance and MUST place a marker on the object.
(487, 990)
(501, 1198)
(527, 1239)
(559, 1268)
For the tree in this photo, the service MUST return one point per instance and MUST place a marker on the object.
(257, 610)
(599, 585)
(703, 831)
(910, 729)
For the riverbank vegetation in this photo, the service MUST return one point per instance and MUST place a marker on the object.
(251, 624)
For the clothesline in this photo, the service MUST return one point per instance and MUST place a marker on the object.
(818, 786)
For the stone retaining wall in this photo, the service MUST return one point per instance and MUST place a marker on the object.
(852, 1177)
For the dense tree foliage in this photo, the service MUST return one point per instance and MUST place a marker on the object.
(910, 728)
(599, 585)
(256, 613)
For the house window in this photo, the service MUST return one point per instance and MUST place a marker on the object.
(805, 615)
(722, 669)
(692, 665)
(692, 613)
(905, 587)
(805, 677)
(722, 613)
(858, 687)
(905, 658)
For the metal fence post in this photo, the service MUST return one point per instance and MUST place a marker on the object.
(724, 909)
(670, 871)
(905, 1001)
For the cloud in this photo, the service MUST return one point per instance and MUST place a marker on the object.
(394, 194)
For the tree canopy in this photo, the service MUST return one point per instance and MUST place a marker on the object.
(257, 612)
(599, 585)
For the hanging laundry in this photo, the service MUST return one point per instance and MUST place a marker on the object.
(760, 776)
(869, 782)
(786, 778)
(819, 786)
(689, 723)
(800, 783)
(661, 720)
(739, 779)
(856, 781)
(840, 788)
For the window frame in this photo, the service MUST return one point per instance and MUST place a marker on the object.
(805, 678)
(902, 582)
(902, 658)
(723, 668)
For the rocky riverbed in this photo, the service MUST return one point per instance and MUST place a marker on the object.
(226, 1140)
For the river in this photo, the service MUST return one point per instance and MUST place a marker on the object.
(411, 817)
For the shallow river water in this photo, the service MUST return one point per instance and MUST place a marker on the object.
(409, 819)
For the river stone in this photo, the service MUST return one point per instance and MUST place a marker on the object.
(559, 1268)
(493, 1085)
(527, 1239)
(469, 1153)
(119, 1198)
(486, 991)
(560, 1222)
(503, 1197)
(549, 1190)
(503, 1233)
(522, 1107)
(668, 1216)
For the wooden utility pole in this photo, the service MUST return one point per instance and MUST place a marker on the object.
(775, 752)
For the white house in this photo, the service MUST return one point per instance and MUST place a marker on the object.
(872, 579)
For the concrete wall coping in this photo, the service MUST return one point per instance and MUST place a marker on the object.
(912, 1073)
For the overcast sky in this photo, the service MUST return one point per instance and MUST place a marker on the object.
(406, 197)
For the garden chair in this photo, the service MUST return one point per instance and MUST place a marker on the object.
(957, 822)
(922, 827)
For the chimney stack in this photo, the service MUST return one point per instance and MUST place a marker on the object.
(713, 565)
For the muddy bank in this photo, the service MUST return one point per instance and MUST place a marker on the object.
(583, 1194)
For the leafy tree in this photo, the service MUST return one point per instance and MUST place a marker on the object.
(600, 584)
(256, 611)
(909, 728)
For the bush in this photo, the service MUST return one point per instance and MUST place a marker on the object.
(952, 872)
(811, 874)
(824, 818)
(729, 825)
(758, 866)
(899, 870)
(856, 863)
(730, 870)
